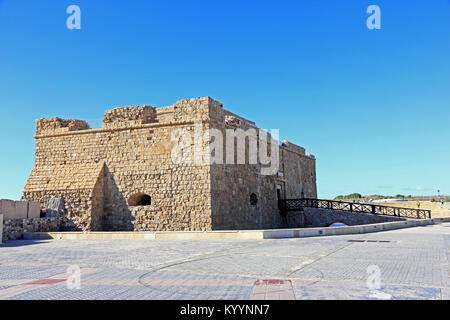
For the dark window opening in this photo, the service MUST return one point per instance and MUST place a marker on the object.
(253, 199)
(140, 199)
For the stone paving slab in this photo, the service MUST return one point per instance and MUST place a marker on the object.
(413, 264)
(272, 289)
(341, 290)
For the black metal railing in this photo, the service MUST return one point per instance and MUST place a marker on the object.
(286, 205)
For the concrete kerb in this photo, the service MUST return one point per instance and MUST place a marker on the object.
(237, 234)
(138, 235)
(439, 220)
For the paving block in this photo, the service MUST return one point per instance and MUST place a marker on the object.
(34, 209)
(21, 209)
(8, 209)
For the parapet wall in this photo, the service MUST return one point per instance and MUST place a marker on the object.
(58, 125)
(293, 147)
(184, 111)
(129, 117)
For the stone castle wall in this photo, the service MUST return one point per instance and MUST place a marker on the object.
(98, 171)
(14, 229)
(318, 217)
(232, 207)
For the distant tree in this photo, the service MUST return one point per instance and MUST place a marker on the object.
(400, 196)
(354, 196)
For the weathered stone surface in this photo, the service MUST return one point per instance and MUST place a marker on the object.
(295, 219)
(34, 209)
(129, 116)
(55, 207)
(318, 217)
(14, 229)
(21, 209)
(233, 121)
(97, 171)
(8, 209)
(57, 125)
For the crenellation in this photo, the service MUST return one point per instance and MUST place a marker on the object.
(293, 147)
(58, 125)
(126, 117)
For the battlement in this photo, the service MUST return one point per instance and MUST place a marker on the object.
(198, 109)
(129, 117)
(186, 110)
(58, 125)
(183, 111)
(295, 148)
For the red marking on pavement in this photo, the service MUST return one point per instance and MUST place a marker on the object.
(273, 289)
(271, 282)
(46, 281)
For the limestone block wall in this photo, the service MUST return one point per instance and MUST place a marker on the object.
(233, 185)
(96, 207)
(8, 209)
(299, 172)
(58, 125)
(140, 162)
(129, 117)
(308, 177)
(295, 219)
(231, 199)
(11, 209)
(34, 209)
(146, 218)
(99, 171)
(318, 217)
(136, 158)
(78, 206)
(21, 209)
(14, 229)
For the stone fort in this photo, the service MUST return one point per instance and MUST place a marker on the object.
(123, 175)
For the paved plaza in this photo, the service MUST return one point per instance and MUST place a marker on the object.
(412, 263)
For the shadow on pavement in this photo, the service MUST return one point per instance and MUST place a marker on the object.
(21, 243)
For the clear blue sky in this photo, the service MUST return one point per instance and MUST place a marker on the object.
(372, 105)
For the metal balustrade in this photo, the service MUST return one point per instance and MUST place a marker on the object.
(286, 205)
